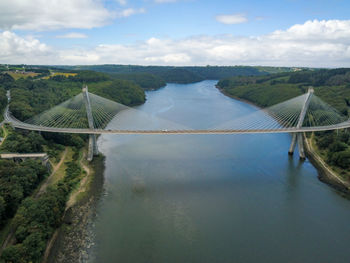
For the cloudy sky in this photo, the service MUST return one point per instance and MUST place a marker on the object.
(313, 33)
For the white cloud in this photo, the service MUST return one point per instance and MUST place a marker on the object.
(130, 11)
(314, 30)
(29, 50)
(47, 15)
(314, 44)
(72, 35)
(232, 19)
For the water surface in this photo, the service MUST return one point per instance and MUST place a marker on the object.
(212, 198)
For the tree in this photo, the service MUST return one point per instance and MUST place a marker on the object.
(337, 146)
(14, 254)
(2, 210)
(34, 246)
(341, 159)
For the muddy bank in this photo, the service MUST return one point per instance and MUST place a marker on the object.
(75, 236)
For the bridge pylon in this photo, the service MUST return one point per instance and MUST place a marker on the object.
(93, 150)
(298, 137)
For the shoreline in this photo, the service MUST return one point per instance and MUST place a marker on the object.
(73, 238)
(325, 173)
(237, 98)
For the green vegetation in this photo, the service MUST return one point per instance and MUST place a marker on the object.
(263, 91)
(182, 74)
(5, 82)
(29, 97)
(332, 86)
(23, 142)
(122, 91)
(17, 181)
(144, 80)
(37, 219)
(335, 148)
(147, 77)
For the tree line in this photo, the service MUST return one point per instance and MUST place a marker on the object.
(171, 74)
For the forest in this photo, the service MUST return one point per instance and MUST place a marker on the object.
(17, 181)
(332, 86)
(171, 74)
(35, 218)
(146, 81)
(30, 97)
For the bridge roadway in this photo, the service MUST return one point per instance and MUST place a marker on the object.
(21, 125)
(22, 155)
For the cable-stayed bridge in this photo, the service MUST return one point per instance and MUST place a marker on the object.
(87, 113)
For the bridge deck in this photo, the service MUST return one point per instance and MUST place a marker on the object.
(21, 125)
(22, 155)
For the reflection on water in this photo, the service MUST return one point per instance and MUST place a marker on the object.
(212, 198)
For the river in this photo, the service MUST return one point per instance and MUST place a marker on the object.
(212, 198)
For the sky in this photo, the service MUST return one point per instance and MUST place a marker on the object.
(295, 33)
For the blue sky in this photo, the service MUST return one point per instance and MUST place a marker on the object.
(177, 32)
(187, 18)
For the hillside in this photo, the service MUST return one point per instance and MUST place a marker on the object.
(32, 97)
(172, 74)
(332, 86)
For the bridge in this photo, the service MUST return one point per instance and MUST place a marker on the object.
(87, 113)
(44, 157)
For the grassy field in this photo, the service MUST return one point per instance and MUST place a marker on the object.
(61, 74)
(20, 75)
(61, 171)
(4, 134)
(86, 177)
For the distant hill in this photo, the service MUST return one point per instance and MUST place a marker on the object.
(172, 74)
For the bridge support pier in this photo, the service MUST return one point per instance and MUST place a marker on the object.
(93, 150)
(292, 145)
(298, 137)
(301, 146)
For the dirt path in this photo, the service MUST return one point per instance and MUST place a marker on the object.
(49, 246)
(5, 134)
(71, 202)
(82, 185)
(9, 240)
(48, 180)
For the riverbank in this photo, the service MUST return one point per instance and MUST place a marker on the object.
(74, 237)
(325, 173)
(237, 98)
